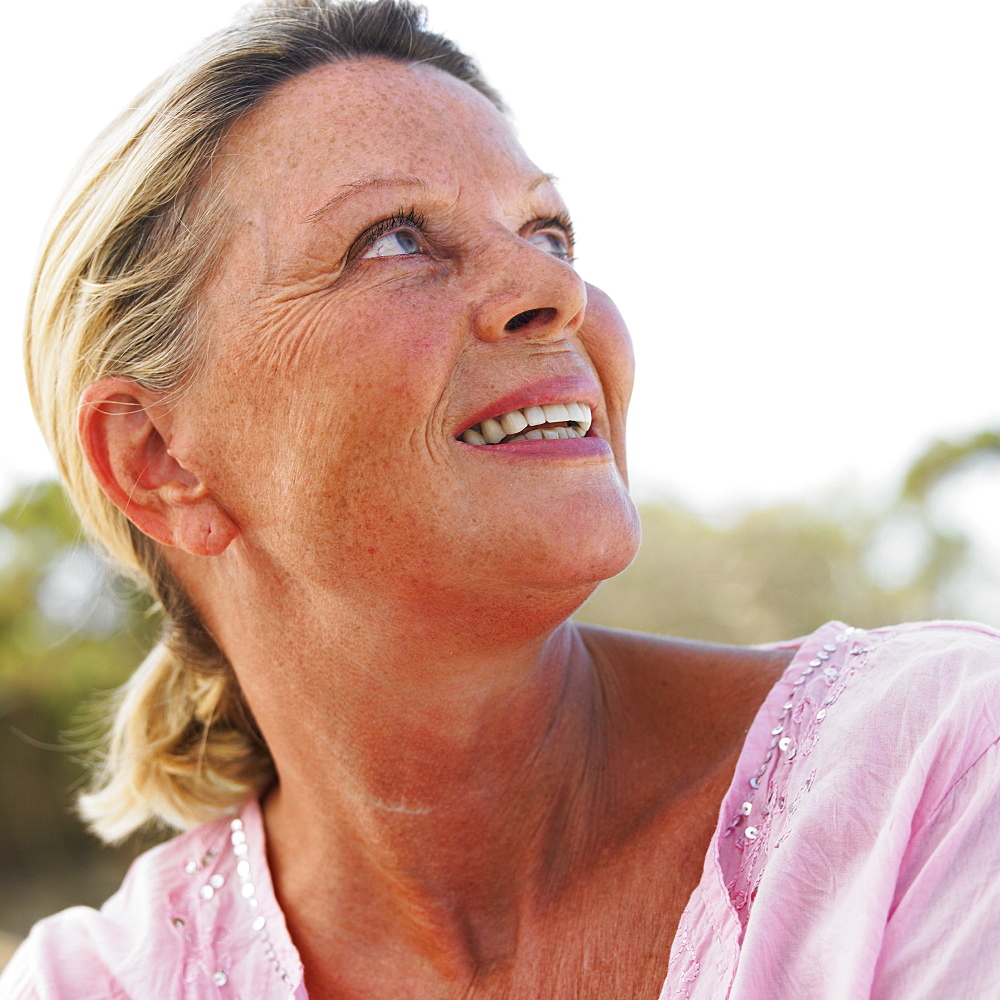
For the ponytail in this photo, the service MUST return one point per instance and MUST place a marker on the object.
(182, 749)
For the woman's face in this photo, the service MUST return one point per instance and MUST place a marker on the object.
(400, 272)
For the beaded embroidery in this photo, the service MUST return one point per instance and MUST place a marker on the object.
(758, 826)
(248, 890)
(782, 745)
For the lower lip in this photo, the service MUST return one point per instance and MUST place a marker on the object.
(585, 447)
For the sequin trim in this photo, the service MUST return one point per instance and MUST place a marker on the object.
(248, 890)
(747, 824)
(239, 849)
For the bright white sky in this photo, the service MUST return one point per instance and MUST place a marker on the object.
(795, 205)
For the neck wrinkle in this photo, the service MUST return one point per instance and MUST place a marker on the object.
(449, 838)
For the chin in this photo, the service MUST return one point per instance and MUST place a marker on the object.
(585, 547)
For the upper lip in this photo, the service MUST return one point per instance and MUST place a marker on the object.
(560, 389)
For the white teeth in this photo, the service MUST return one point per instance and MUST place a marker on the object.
(510, 425)
(513, 422)
(492, 431)
(473, 437)
(554, 412)
(580, 413)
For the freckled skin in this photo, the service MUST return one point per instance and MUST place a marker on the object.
(338, 388)
(476, 798)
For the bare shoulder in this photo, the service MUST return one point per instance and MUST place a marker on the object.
(680, 714)
(715, 673)
(703, 693)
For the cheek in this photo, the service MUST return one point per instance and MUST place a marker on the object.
(609, 346)
(350, 354)
(317, 404)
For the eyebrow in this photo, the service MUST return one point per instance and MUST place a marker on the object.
(543, 179)
(348, 191)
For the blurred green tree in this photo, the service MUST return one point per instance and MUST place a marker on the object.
(943, 459)
(782, 571)
(774, 573)
(67, 629)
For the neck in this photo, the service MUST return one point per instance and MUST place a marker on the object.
(441, 794)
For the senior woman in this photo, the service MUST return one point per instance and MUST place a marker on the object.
(308, 343)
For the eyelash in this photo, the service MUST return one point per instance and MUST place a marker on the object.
(412, 219)
(409, 219)
(562, 222)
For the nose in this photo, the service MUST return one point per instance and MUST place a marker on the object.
(528, 293)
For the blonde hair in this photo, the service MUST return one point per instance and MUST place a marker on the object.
(116, 295)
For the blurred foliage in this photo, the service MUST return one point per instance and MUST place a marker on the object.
(944, 458)
(68, 629)
(774, 573)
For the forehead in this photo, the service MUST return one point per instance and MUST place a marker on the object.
(343, 123)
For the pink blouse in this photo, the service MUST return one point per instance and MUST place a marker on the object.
(856, 855)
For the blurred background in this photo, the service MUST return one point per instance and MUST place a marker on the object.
(796, 209)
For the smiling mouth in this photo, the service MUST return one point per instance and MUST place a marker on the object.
(534, 423)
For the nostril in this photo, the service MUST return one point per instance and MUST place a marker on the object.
(521, 319)
(529, 316)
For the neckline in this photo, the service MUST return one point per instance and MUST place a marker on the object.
(267, 920)
(247, 844)
(712, 892)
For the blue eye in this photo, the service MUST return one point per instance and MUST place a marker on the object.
(396, 244)
(552, 243)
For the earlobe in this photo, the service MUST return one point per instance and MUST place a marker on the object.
(125, 437)
(206, 530)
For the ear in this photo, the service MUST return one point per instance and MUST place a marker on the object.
(125, 435)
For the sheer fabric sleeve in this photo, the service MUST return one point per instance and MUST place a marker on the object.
(942, 938)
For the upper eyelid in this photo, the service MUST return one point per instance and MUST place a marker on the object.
(552, 221)
(401, 220)
(560, 222)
